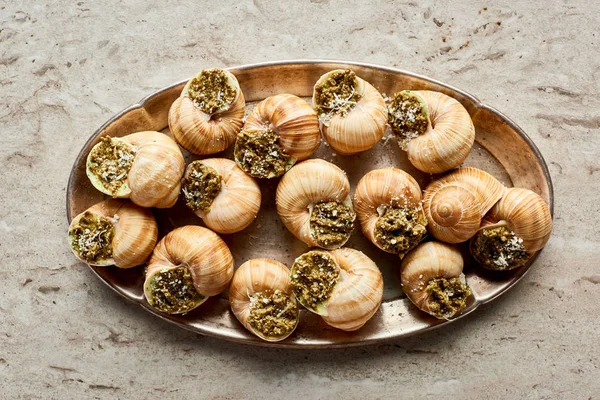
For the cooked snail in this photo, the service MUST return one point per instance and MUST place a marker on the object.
(387, 202)
(207, 116)
(434, 129)
(343, 286)
(455, 203)
(281, 130)
(313, 201)
(113, 232)
(432, 279)
(261, 299)
(187, 266)
(352, 112)
(220, 193)
(145, 167)
(516, 227)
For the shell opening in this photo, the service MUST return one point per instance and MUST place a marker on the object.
(336, 95)
(499, 248)
(211, 91)
(92, 237)
(273, 314)
(260, 154)
(407, 116)
(201, 186)
(400, 229)
(447, 297)
(172, 291)
(331, 223)
(313, 277)
(110, 161)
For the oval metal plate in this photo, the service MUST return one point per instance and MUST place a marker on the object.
(501, 148)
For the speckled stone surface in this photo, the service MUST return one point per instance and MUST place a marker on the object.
(67, 66)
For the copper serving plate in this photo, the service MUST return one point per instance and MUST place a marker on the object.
(501, 148)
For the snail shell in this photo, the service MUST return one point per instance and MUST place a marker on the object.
(378, 194)
(261, 299)
(449, 134)
(359, 128)
(432, 279)
(144, 166)
(353, 281)
(455, 203)
(113, 232)
(526, 216)
(302, 192)
(207, 130)
(237, 201)
(187, 266)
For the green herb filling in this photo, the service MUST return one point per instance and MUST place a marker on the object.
(314, 274)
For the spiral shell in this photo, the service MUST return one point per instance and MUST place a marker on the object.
(238, 201)
(292, 119)
(205, 133)
(455, 203)
(449, 135)
(187, 266)
(386, 188)
(307, 184)
(253, 285)
(149, 164)
(118, 233)
(432, 279)
(355, 294)
(362, 127)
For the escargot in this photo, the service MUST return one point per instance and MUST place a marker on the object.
(220, 193)
(434, 129)
(208, 115)
(313, 201)
(145, 167)
(432, 279)
(455, 203)
(113, 232)
(352, 112)
(261, 299)
(189, 264)
(281, 130)
(343, 286)
(512, 231)
(387, 202)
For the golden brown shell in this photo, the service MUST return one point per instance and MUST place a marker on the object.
(238, 202)
(256, 276)
(135, 232)
(292, 119)
(362, 127)
(449, 136)
(201, 133)
(456, 202)
(384, 187)
(307, 183)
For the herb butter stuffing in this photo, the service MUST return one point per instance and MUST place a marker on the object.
(447, 296)
(273, 314)
(92, 237)
(400, 229)
(314, 274)
(331, 223)
(110, 162)
(407, 116)
(173, 292)
(499, 249)
(260, 154)
(337, 95)
(201, 186)
(210, 91)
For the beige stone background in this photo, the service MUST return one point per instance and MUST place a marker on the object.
(68, 66)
